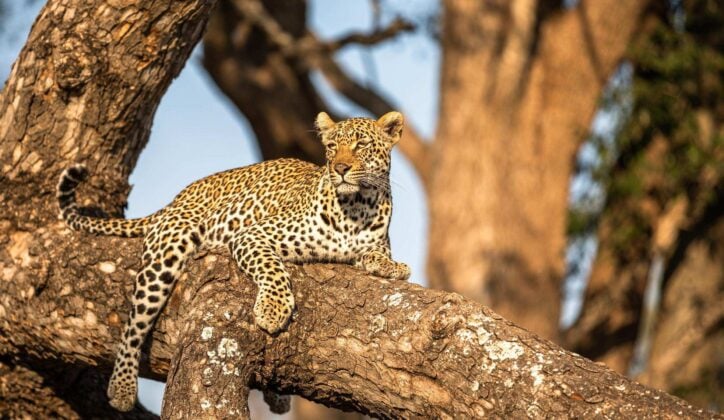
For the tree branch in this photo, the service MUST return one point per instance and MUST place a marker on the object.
(388, 349)
(85, 88)
(308, 44)
(395, 28)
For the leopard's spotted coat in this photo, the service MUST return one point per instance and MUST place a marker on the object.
(266, 214)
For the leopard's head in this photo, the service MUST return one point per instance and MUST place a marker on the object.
(358, 150)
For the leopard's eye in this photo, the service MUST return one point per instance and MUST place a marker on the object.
(331, 146)
(364, 143)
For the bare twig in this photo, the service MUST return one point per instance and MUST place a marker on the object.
(310, 44)
(395, 28)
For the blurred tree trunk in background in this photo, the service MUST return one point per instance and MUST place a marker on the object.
(520, 84)
(670, 151)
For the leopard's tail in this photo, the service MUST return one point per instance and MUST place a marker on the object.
(69, 181)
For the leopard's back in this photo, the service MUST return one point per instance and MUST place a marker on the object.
(242, 197)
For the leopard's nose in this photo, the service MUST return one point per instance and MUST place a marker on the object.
(341, 168)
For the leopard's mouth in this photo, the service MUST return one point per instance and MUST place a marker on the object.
(344, 187)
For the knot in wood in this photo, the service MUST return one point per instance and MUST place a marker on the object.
(75, 63)
(444, 323)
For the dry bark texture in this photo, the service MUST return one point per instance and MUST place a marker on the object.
(84, 88)
(357, 342)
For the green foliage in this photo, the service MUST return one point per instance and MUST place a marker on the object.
(671, 144)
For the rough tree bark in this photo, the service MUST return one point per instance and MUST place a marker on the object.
(357, 342)
(520, 83)
(84, 88)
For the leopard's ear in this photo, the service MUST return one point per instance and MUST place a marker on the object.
(323, 122)
(392, 123)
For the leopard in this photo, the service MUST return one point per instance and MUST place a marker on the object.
(266, 214)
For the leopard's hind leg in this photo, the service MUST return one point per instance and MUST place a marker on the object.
(167, 245)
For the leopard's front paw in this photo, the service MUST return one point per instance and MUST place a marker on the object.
(122, 391)
(380, 265)
(271, 312)
(401, 272)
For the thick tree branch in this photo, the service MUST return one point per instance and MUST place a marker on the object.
(17, 384)
(84, 88)
(389, 349)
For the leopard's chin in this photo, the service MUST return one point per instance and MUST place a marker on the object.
(347, 188)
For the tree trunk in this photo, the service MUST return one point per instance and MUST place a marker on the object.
(520, 83)
(84, 89)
